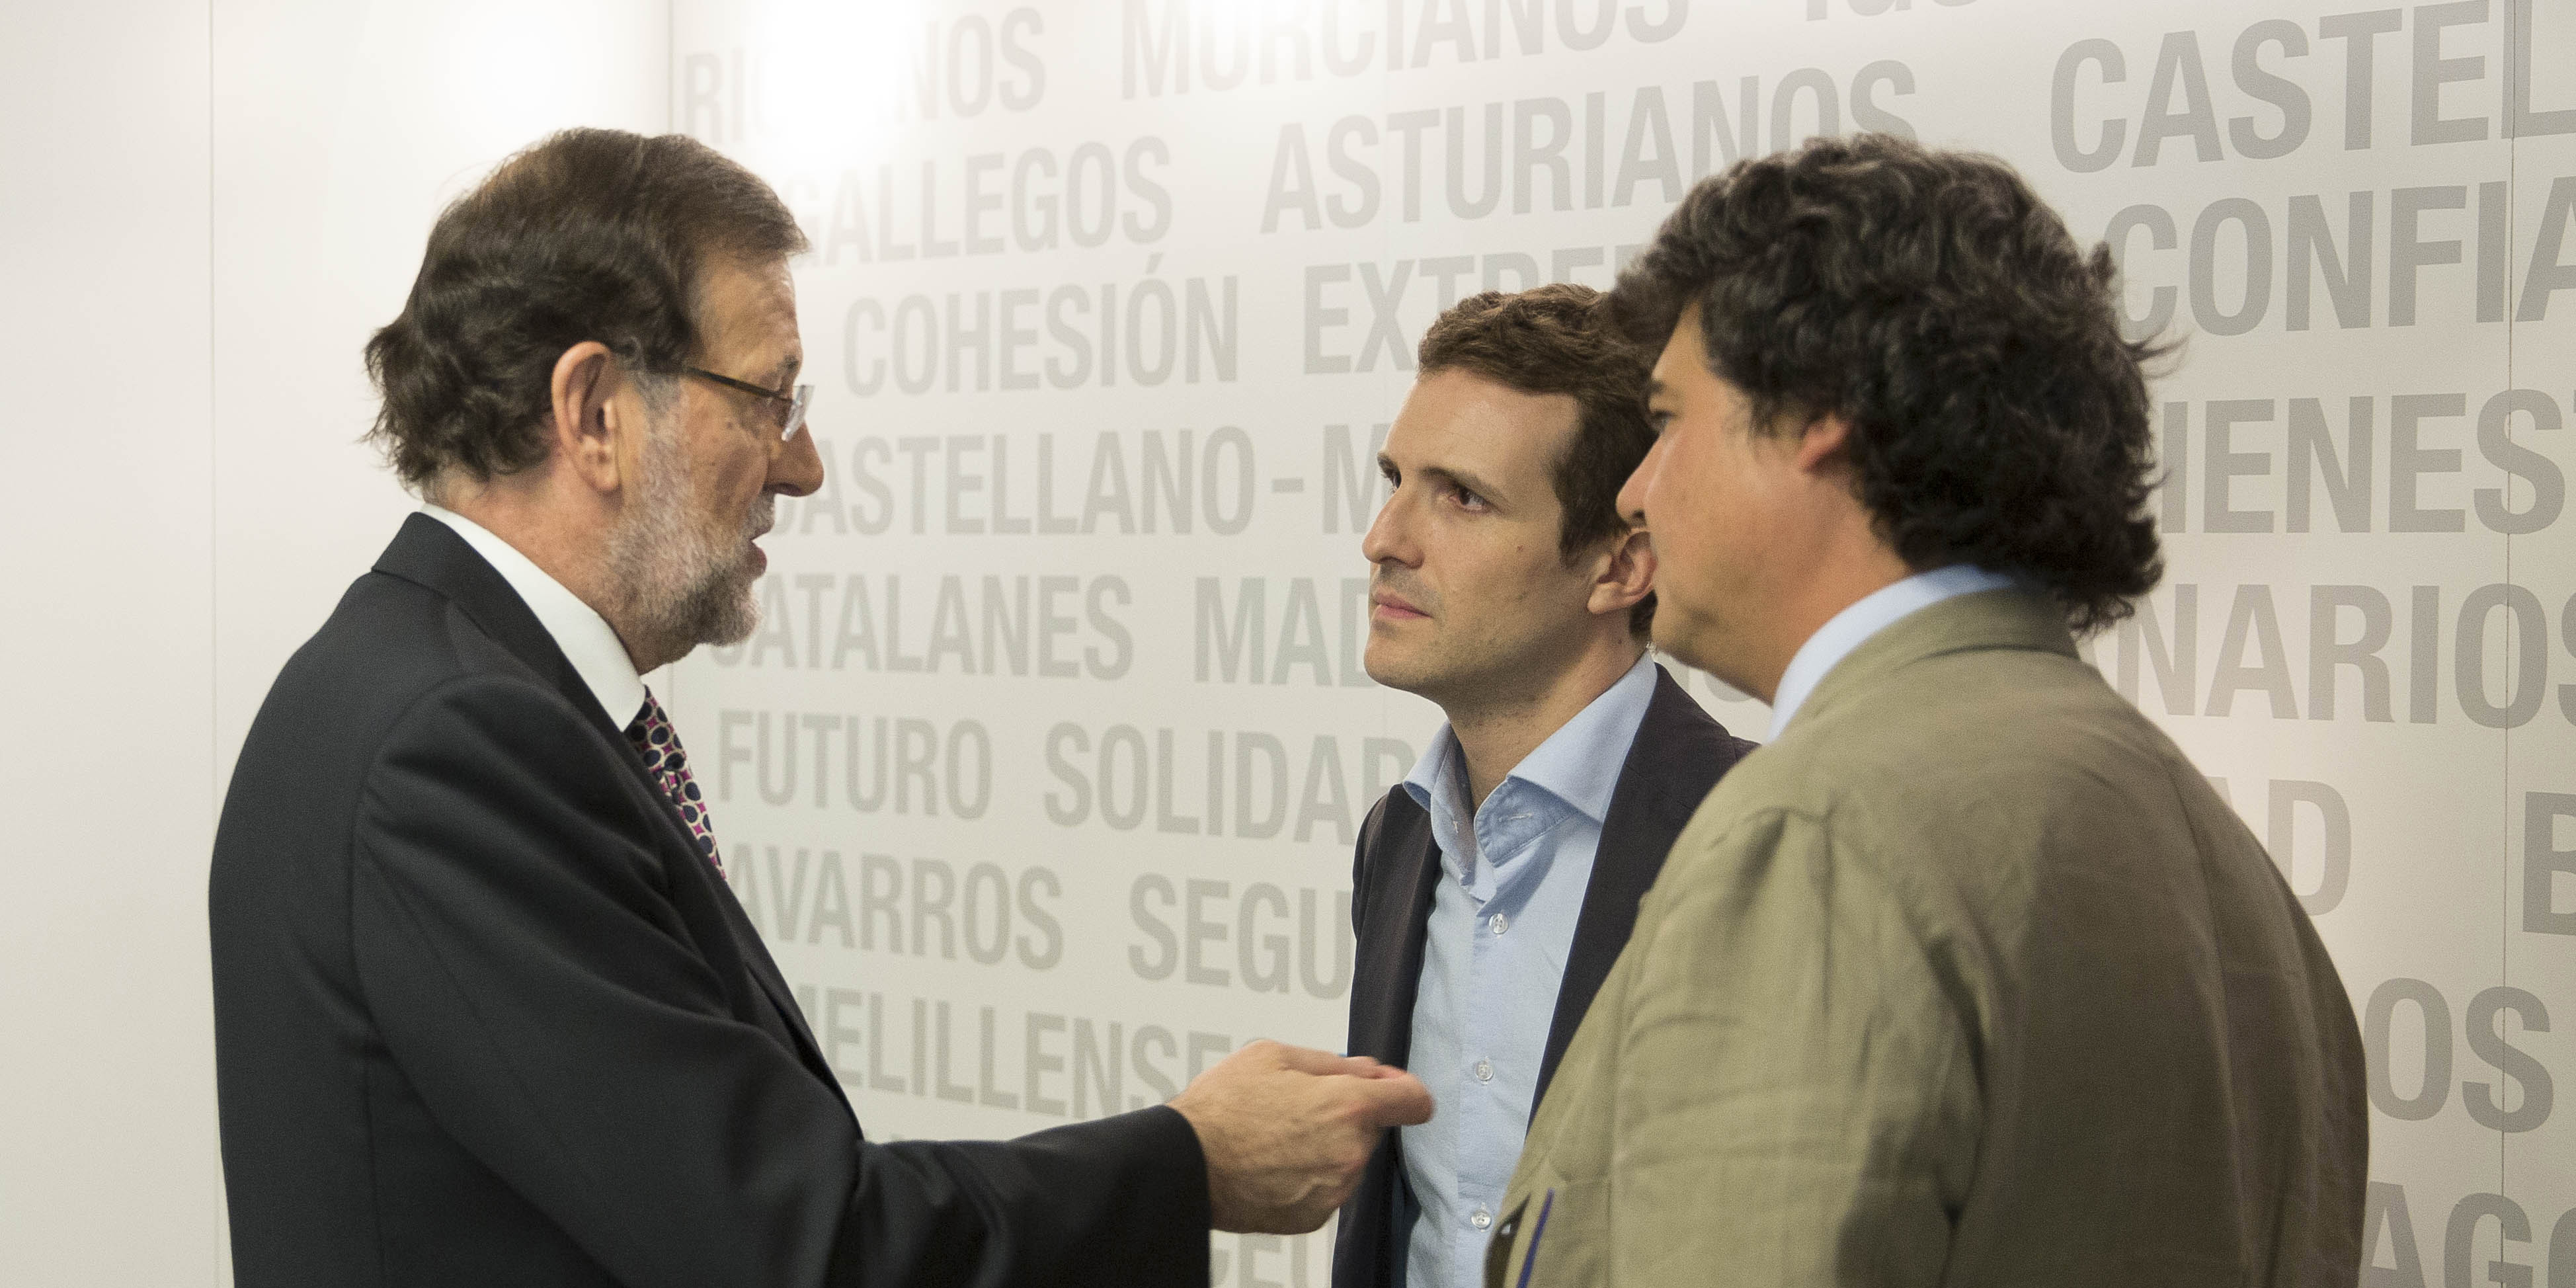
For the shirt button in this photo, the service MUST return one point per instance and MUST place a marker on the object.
(1502, 922)
(1481, 1218)
(1484, 1071)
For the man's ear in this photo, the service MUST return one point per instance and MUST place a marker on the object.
(1824, 446)
(584, 423)
(1626, 574)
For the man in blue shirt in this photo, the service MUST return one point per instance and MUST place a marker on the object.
(1493, 888)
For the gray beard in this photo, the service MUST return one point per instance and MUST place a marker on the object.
(678, 586)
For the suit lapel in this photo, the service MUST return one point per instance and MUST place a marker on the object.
(755, 955)
(1398, 917)
(692, 874)
(429, 553)
(1393, 893)
(1678, 755)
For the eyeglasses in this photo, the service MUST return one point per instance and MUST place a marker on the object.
(792, 401)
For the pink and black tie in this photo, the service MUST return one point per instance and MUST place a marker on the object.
(659, 744)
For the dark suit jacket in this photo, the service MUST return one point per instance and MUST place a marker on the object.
(484, 1016)
(1678, 755)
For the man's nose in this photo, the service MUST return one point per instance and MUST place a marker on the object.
(1389, 535)
(796, 468)
(1632, 494)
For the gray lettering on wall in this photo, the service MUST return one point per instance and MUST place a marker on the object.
(2544, 860)
(2526, 635)
(1232, 643)
(1070, 626)
(2298, 846)
(1121, 776)
(1252, 1260)
(1181, 47)
(2162, 641)
(2093, 109)
(1354, 486)
(1089, 337)
(2238, 253)
(2414, 1015)
(992, 203)
(2239, 472)
(1181, 480)
(1208, 934)
(2479, 1224)
(867, 763)
(1547, 154)
(1384, 292)
(994, 914)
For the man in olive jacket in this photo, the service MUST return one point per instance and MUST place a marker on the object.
(1968, 977)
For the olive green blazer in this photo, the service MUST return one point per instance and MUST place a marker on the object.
(1968, 979)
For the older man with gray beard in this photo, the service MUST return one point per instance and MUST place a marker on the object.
(486, 1012)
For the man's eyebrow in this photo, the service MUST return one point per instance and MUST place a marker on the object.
(1461, 479)
(1454, 477)
(786, 369)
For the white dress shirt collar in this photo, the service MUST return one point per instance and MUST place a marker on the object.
(1852, 627)
(585, 637)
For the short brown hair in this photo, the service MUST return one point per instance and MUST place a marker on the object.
(588, 235)
(1559, 339)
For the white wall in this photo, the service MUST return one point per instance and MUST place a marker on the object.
(107, 1093)
(207, 209)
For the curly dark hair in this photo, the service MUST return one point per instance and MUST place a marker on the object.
(1560, 339)
(1933, 303)
(588, 235)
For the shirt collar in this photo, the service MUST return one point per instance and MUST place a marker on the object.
(1579, 764)
(585, 637)
(1434, 782)
(1853, 626)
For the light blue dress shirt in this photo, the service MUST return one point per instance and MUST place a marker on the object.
(1502, 924)
(1875, 612)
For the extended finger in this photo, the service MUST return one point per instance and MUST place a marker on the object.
(1393, 1099)
(1324, 1063)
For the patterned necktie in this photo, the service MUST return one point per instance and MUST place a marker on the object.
(659, 744)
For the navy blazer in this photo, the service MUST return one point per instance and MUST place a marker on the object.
(484, 1015)
(1678, 755)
